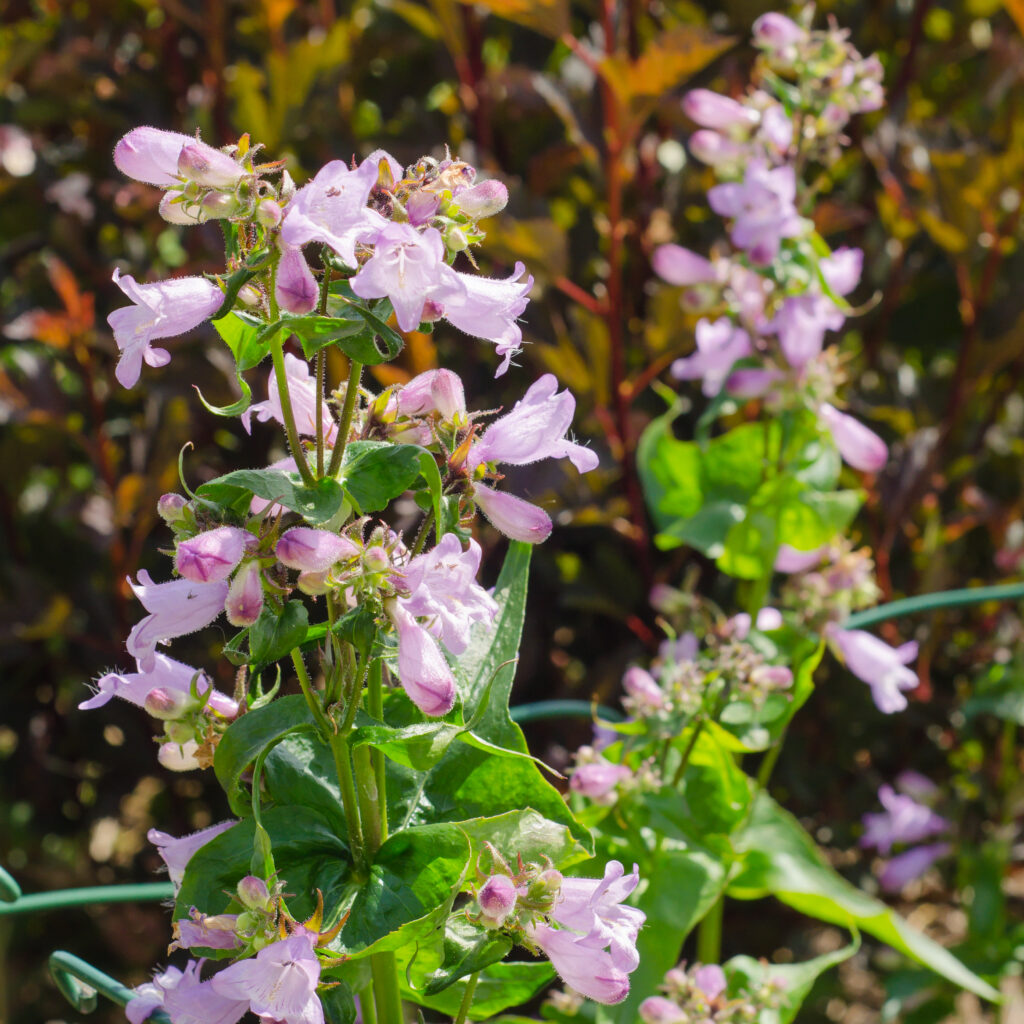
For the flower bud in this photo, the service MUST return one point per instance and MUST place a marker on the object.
(772, 677)
(313, 583)
(548, 882)
(455, 239)
(220, 204)
(421, 206)
(250, 295)
(313, 551)
(211, 556)
(712, 110)
(483, 200)
(165, 704)
(245, 596)
(659, 1010)
(179, 757)
(175, 210)
(208, 166)
(497, 899)
(253, 893)
(295, 287)
(376, 559)
(287, 186)
(268, 213)
(715, 150)
(598, 779)
(710, 979)
(170, 508)
(641, 686)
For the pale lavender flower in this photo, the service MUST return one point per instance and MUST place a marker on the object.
(767, 620)
(295, 286)
(442, 589)
(177, 852)
(438, 391)
(761, 209)
(332, 209)
(488, 308)
(589, 970)
(175, 208)
(302, 392)
(175, 609)
(409, 268)
(244, 600)
(484, 199)
(719, 346)
(716, 150)
(911, 864)
(151, 155)
(680, 266)
(279, 983)
(712, 110)
(421, 207)
(207, 166)
(312, 550)
(646, 697)
(163, 309)
(534, 429)
(422, 670)
(207, 931)
(859, 446)
(882, 667)
(916, 785)
(597, 779)
(789, 559)
(167, 675)
(659, 1010)
(211, 556)
(497, 899)
(179, 757)
(904, 820)
(515, 518)
(710, 979)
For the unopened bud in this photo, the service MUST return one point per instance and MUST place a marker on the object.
(550, 881)
(245, 596)
(268, 213)
(179, 757)
(421, 206)
(171, 507)
(432, 312)
(456, 240)
(287, 186)
(165, 704)
(208, 166)
(497, 900)
(376, 559)
(659, 1010)
(220, 205)
(249, 295)
(772, 677)
(313, 583)
(483, 200)
(253, 893)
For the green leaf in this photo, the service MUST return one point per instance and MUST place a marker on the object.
(375, 472)
(241, 333)
(308, 854)
(782, 860)
(316, 504)
(274, 634)
(377, 343)
(745, 974)
(502, 985)
(464, 948)
(317, 332)
(248, 736)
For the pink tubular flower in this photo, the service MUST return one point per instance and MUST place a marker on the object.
(719, 345)
(184, 998)
(422, 670)
(167, 675)
(497, 899)
(659, 1010)
(512, 516)
(207, 166)
(789, 559)
(911, 864)
(592, 919)
(175, 609)
(177, 852)
(534, 429)
(332, 209)
(777, 33)
(313, 550)
(443, 590)
(646, 696)
(710, 979)
(904, 820)
(244, 600)
(438, 391)
(761, 209)
(484, 199)
(279, 983)
(882, 667)
(212, 556)
(206, 931)
(151, 155)
(716, 150)
(860, 447)
(163, 309)
(712, 110)
(488, 308)
(597, 780)
(680, 266)
(295, 286)
(302, 392)
(408, 267)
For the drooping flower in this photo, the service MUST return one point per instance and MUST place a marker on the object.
(911, 864)
(295, 286)
(332, 209)
(438, 391)
(244, 600)
(512, 516)
(310, 550)
(175, 609)
(279, 983)
(882, 667)
(762, 209)
(646, 697)
(151, 155)
(207, 931)
(176, 852)
(712, 110)
(211, 556)
(166, 675)
(904, 820)
(680, 266)
(408, 267)
(422, 670)
(860, 447)
(302, 392)
(484, 199)
(163, 309)
(442, 589)
(719, 346)
(597, 779)
(589, 970)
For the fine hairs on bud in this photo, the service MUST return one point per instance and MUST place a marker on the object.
(497, 900)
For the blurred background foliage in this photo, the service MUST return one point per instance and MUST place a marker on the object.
(576, 107)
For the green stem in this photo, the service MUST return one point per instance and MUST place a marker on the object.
(79, 983)
(347, 785)
(928, 602)
(345, 424)
(467, 998)
(386, 992)
(368, 794)
(367, 1007)
(321, 373)
(298, 452)
(678, 777)
(764, 773)
(60, 899)
(709, 934)
(544, 709)
(421, 537)
(9, 888)
(315, 707)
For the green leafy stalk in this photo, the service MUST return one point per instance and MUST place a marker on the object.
(467, 998)
(347, 412)
(277, 354)
(346, 782)
(709, 934)
(321, 372)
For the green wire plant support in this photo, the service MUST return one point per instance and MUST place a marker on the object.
(143, 892)
(10, 891)
(80, 982)
(931, 602)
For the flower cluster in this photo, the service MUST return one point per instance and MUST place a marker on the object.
(906, 822)
(579, 924)
(700, 995)
(768, 300)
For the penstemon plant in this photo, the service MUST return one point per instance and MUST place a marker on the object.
(392, 838)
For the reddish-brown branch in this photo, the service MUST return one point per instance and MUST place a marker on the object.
(580, 296)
